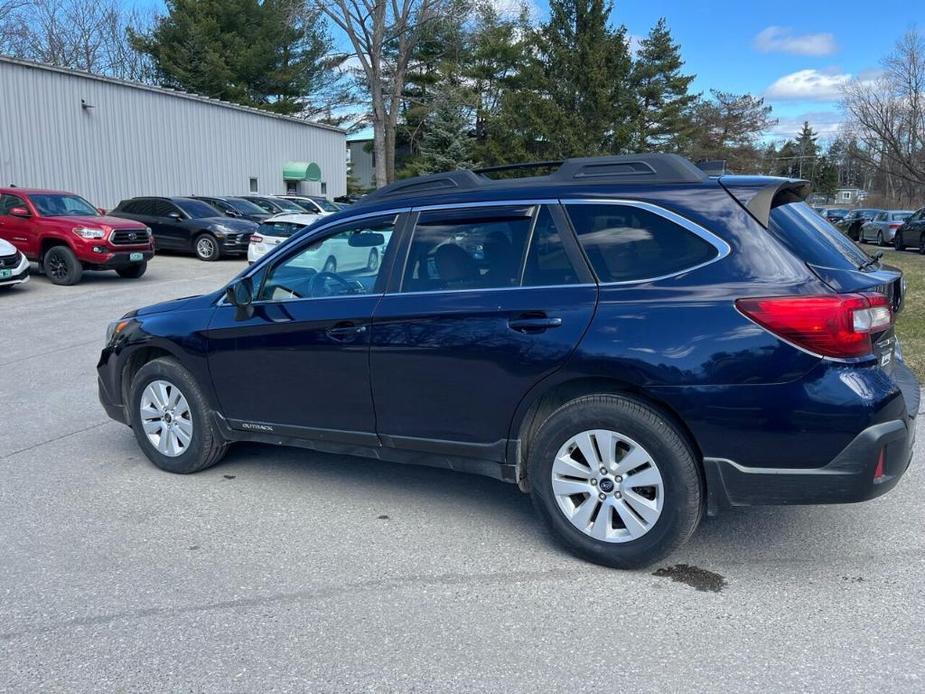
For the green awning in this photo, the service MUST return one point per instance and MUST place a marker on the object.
(301, 171)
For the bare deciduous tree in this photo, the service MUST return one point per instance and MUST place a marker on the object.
(887, 115)
(383, 35)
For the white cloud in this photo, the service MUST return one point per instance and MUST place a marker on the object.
(776, 39)
(808, 85)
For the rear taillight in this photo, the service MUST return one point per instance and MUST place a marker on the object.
(256, 238)
(835, 325)
(895, 226)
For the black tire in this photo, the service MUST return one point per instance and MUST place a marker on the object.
(132, 272)
(372, 264)
(61, 266)
(898, 242)
(682, 480)
(206, 247)
(206, 446)
(921, 244)
(330, 265)
(880, 239)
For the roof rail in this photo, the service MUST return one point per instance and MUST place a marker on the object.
(622, 169)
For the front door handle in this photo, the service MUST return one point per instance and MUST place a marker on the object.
(533, 324)
(345, 332)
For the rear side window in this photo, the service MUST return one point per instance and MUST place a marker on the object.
(628, 244)
(279, 229)
(548, 263)
(812, 239)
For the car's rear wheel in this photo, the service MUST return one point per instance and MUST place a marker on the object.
(372, 264)
(615, 481)
(132, 272)
(206, 247)
(922, 244)
(61, 266)
(172, 420)
(880, 239)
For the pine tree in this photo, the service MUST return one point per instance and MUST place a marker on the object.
(446, 144)
(806, 150)
(662, 120)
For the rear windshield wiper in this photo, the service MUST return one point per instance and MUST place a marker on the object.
(874, 259)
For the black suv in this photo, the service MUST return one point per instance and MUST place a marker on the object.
(189, 225)
(630, 341)
(234, 207)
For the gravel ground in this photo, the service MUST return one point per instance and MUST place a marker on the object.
(287, 570)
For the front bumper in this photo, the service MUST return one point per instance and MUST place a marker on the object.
(234, 243)
(118, 259)
(19, 274)
(870, 465)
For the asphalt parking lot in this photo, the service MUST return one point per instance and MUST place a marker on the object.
(287, 570)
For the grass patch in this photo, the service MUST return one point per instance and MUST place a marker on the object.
(910, 325)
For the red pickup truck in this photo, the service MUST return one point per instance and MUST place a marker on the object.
(66, 235)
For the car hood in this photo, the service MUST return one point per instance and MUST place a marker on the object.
(105, 222)
(6, 248)
(232, 223)
(184, 304)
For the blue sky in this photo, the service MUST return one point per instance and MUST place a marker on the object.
(794, 54)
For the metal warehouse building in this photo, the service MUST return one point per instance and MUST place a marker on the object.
(109, 139)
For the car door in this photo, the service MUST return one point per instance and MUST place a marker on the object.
(19, 231)
(299, 365)
(169, 224)
(490, 301)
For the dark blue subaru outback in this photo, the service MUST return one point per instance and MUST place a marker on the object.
(630, 341)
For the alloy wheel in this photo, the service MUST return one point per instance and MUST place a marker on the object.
(607, 485)
(205, 247)
(166, 418)
(56, 266)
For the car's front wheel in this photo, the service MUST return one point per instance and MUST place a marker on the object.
(898, 241)
(880, 239)
(206, 247)
(615, 481)
(61, 266)
(172, 420)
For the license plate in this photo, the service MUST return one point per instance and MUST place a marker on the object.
(136, 257)
(5, 274)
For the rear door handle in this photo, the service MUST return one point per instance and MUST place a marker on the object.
(345, 332)
(533, 324)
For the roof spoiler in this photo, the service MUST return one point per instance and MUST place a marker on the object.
(760, 195)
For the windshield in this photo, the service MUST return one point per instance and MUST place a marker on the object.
(197, 209)
(279, 229)
(58, 205)
(288, 205)
(326, 205)
(813, 238)
(245, 206)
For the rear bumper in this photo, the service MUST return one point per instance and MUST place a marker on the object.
(851, 476)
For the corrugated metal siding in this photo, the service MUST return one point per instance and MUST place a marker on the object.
(140, 142)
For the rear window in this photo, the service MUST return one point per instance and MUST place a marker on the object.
(813, 239)
(629, 244)
(279, 229)
(901, 216)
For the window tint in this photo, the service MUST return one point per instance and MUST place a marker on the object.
(343, 263)
(8, 202)
(478, 248)
(57, 205)
(880, 217)
(547, 260)
(813, 239)
(244, 206)
(626, 244)
(279, 229)
(901, 216)
(162, 208)
(290, 206)
(264, 205)
(197, 209)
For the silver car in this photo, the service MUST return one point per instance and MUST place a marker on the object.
(883, 226)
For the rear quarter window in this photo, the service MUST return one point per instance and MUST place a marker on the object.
(812, 239)
(626, 243)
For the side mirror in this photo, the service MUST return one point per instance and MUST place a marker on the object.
(20, 212)
(175, 216)
(101, 211)
(241, 295)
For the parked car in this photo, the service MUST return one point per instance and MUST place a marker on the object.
(851, 223)
(14, 266)
(273, 205)
(638, 344)
(235, 207)
(313, 204)
(66, 235)
(911, 233)
(274, 231)
(834, 214)
(188, 225)
(883, 226)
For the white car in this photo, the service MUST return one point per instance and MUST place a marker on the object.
(275, 230)
(14, 266)
(313, 204)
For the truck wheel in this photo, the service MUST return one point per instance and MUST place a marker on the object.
(206, 247)
(132, 272)
(172, 419)
(615, 481)
(61, 266)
